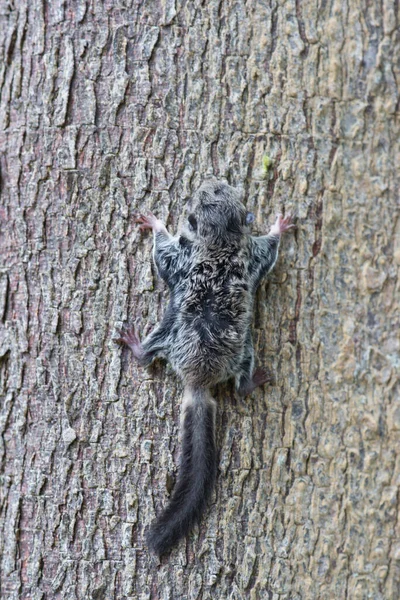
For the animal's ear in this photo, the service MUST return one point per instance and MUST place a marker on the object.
(233, 225)
(184, 242)
(192, 222)
(250, 218)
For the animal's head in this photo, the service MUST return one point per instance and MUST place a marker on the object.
(217, 212)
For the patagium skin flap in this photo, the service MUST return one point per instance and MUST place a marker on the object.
(212, 268)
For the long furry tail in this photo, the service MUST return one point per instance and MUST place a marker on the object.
(196, 476)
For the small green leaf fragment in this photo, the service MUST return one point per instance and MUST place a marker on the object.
(266, 163)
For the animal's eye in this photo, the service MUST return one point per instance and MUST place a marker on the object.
(249, 218)
(192, 223)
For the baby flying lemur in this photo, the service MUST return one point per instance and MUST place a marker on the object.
(212, 270)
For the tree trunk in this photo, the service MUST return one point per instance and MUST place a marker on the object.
(117, 106)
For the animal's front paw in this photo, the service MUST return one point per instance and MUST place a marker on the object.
(129, 337)
(282, 224)
(149, 222)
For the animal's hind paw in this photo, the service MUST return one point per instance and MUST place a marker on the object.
(130, 338)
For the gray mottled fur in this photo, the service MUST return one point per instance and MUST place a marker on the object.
(212, 269)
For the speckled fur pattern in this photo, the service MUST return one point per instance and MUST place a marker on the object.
(212, 268)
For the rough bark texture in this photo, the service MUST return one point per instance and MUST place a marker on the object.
(110, 107)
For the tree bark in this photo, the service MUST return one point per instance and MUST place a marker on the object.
(117, 106)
